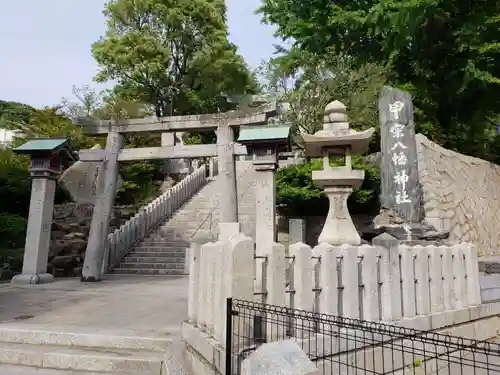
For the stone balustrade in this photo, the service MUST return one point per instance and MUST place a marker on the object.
(134, 230)
(366, 282)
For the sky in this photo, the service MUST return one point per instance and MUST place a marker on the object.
(45, 45)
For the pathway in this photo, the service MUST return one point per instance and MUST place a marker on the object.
(125, 311)
(154, 305)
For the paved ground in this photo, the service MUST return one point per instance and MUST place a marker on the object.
(145, 305)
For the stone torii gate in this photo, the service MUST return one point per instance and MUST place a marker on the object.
(225, 151)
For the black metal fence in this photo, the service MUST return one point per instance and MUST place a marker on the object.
(347, 346)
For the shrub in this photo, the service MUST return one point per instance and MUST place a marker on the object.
(297, 195)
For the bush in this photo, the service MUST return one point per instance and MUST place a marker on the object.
(297, 195)
(12, 231)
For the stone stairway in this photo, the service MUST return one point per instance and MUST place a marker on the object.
(163, 251)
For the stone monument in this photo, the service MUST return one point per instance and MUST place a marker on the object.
(399, 170)
(401, 197)
(338, 139)
(82, 181)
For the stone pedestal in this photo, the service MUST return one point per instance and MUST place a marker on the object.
(37, 246)
(296, 231)
(265, 209)
(265, 214)
(227, 175)
(97, 242)
(339, 228)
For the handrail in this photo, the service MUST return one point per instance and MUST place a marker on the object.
(210, 213)
(123, 239)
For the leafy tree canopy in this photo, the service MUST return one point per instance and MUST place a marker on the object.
(173, 55)
(306, 84)
(446, 53)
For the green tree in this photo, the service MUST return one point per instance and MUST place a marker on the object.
(172, 55)
(306, 84)
(446, 53)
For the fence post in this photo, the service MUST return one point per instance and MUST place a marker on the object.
(436, 279)
(459, 276)
(328, 279)
(408, 281)
(302, 284)
(422, 289)
(369, 280)
(350, 281)
(391, 294)
(447, 272)
(229, 335)
(275, 287)
(472, 269)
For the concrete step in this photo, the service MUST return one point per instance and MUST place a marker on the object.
(77, 336)
(148, 271)
(133, 259)
(170, 265)
(81, 358)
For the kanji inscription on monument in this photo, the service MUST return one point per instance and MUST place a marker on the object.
(399, 170)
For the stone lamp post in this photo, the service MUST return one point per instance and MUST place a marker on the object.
(338, 139)
(49, 157)
(265, 143)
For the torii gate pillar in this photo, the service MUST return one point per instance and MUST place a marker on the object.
(99, 228)
(229, 226)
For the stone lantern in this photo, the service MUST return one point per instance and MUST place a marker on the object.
(49, 157)
(265, 142)
(338, 139)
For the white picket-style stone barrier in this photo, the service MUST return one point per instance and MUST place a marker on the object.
(364, 282)
(142, 223)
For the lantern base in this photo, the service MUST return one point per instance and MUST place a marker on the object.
(339, 228)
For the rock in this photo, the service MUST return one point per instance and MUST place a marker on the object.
(279, 358)
(387, 218)
(75, 246)
(61, 227)
(55, 234)
(56, 247)
(66, 266)
(434, 235)
(65, 261)
(74, 235)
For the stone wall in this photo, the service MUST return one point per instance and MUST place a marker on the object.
(70, 230)
(461, 194)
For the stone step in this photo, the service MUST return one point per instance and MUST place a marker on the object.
(159, 249)
(159, 244)
(148, 271)
(156, 259)
(81, 358)
(153, 254)
(77, 336)
(26, 370)
(169, 265)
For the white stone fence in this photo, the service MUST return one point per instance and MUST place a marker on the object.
(142, 223)
(365, 282)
